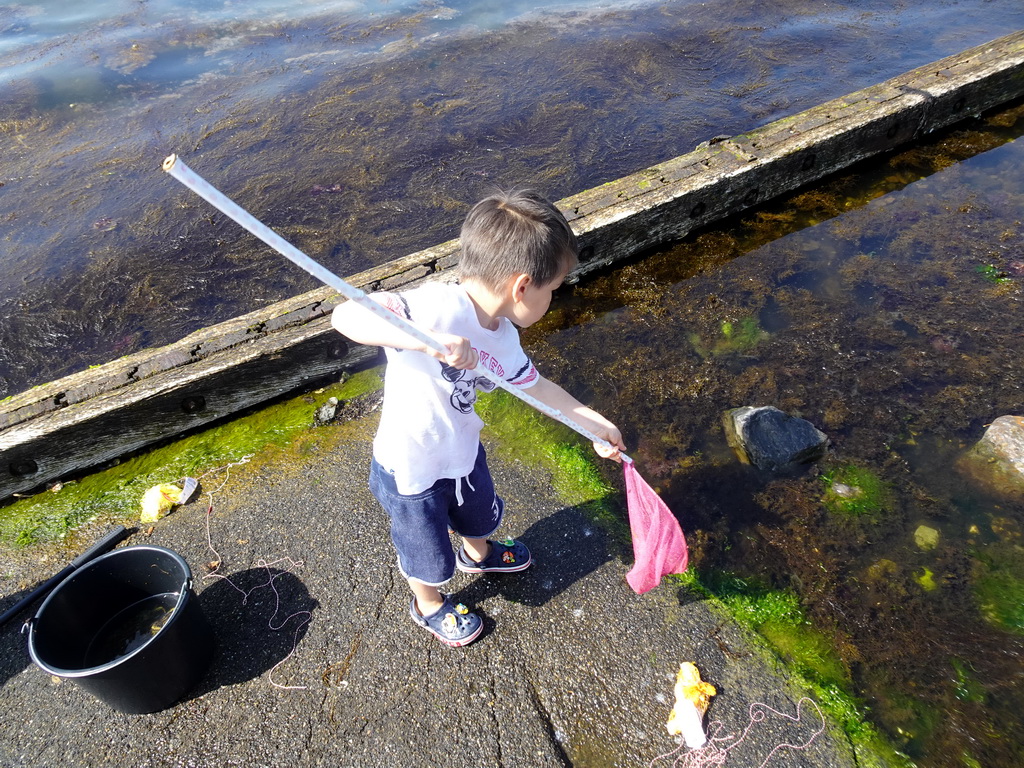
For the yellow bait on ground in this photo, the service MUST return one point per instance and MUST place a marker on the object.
(692, 699)
(159, 499)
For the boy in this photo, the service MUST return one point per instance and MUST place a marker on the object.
(429, 470)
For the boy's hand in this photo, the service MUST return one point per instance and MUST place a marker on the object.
(461, 354)
(604, 428)
(606, 452)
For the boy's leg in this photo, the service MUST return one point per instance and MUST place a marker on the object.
(477, 549)
(476, 517)
(428, 598)
(451, 623)
(419, 531)
(505, 556)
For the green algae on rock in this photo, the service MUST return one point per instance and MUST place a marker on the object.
(998, 584)
(114, 494)
(733, 338)
(855, 491)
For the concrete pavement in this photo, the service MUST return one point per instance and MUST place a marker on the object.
(573, 668)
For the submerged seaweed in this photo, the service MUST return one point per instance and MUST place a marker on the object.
(365, 137)
(879, 330)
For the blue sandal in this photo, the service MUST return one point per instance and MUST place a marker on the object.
(508, 556)
(452, 624)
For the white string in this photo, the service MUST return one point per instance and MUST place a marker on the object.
(307, 616)
(716, 751)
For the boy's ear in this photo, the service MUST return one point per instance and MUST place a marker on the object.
(519, 284)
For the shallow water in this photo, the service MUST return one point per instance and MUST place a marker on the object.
(894, 326)
(130, 629)
(362, 131)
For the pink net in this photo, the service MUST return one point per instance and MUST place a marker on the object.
(658, 544)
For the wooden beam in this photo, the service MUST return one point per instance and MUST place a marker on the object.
(81, 421)
(666, 202)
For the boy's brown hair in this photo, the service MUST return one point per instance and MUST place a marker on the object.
(516, 232)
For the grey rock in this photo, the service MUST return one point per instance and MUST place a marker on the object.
(996, 461)
(772, 440)
(325, 413)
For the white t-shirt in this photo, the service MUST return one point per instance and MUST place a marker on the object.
(428, 428)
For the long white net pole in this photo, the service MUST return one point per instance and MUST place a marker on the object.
(176, 168)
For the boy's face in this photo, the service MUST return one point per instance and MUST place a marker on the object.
(532, 299)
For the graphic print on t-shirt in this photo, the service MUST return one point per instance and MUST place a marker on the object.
(464, 387)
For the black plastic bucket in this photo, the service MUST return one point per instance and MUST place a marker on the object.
(127, 628)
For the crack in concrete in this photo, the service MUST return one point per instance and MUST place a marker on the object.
(549, 725)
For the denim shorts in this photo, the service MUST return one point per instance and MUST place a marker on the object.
(420, 522)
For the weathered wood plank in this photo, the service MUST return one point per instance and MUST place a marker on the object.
(83, 420)
(789, 153)
(125, 420)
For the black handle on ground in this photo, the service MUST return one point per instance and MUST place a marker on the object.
(97, 549)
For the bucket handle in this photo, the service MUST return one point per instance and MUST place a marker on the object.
(97, 549)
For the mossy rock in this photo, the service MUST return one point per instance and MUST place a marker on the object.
(855, 491)
(733, 338)
(926, 579)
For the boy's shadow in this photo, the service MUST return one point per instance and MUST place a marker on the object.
(566, 546)
(254, 629)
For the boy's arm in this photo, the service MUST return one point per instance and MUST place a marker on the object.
(364, 327)
(554, 396)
